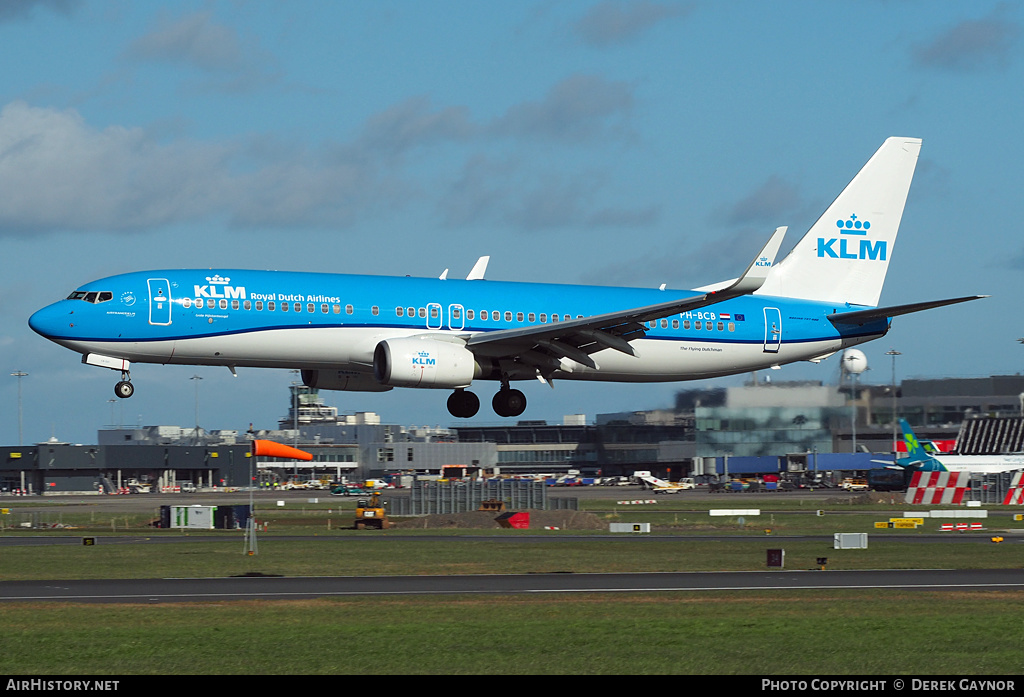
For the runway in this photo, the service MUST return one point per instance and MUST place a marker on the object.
(170, 590)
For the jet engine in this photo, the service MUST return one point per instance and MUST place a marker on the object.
(424, 362)
(348, 380)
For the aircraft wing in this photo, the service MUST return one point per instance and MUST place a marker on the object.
(861, 317)
(544, 345)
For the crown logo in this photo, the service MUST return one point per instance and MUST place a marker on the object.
(853, 226)
(217, 278)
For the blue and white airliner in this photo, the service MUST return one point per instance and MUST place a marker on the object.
(374, 333)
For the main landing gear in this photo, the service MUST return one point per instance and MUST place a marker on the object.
(507, 402)
(124, 389)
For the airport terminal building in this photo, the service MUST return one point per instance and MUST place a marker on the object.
(798, 429)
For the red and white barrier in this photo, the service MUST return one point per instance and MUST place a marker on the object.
(938, 487)
(960, 527)
(1015, 494)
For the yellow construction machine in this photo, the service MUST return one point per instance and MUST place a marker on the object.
(370, 513)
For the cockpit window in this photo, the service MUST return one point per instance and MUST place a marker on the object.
(92, 296)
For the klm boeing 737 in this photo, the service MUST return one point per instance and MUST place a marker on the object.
(371, 333)
(919, 459)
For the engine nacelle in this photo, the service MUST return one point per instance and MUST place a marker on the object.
(342, 380)
(424, 362)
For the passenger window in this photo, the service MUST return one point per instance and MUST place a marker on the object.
(543, 318)
(456, 313)
(259, 306)
(709, 325)
(234, 304)
(508, 316)
(298, 307)
(686, 324)
(248, 305)
(186, 303)
(310, 307)
(423, 312)
(469, 314)
(271, 305)
(721, 326)
(532, 317)
(223, 304)
(349, 309)
(336, 309)
(664, 324)
(324, 309)
(399, 312)
(285, 307)
(519, 317)
(732, 326)
(675, 324)
(698, 325)
(434, 310)
(375, 310)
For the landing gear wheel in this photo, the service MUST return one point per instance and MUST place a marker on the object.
(509, 403)
(124, 389)
(463, 405)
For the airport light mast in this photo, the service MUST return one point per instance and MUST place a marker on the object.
(19, 374)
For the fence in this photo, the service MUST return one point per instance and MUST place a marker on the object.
(426, 497)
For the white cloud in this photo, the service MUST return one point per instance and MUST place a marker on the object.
(11, 10)
(58, 172)
(971, 44)
(609, 23)
(194, 40)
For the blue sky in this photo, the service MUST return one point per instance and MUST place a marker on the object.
(627, 143)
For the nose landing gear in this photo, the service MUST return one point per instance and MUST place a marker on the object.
(124, 389)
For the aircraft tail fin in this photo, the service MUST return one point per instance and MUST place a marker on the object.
(917, 456)
(844, 257)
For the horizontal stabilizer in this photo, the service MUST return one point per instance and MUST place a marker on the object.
(861, 317)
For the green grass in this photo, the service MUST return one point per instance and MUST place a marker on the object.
(783, 633)
(810, 632)
(351, 556)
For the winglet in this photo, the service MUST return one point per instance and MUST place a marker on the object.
(757, 270)
(479, 268)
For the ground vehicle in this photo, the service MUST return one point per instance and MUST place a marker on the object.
(370, 513)
(854, 484)
(347, 490)
(660, 486)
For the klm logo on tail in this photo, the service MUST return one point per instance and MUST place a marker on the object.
(850, 247)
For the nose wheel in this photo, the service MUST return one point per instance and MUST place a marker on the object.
(124, 389)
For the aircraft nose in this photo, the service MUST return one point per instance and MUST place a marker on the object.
(53, 320)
